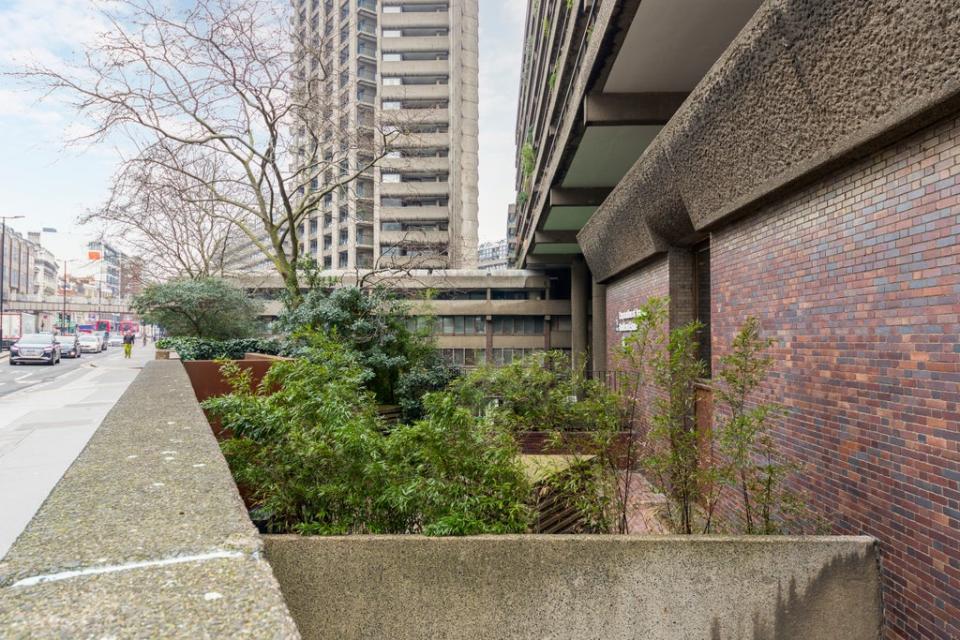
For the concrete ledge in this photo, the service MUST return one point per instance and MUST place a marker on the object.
(806, 87)
(145, 535)
(573, 587)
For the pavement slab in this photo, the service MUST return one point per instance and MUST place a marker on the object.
(145, 535)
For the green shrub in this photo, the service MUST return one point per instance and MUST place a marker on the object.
(541, 392)
(373, 323)
(204, 308)
(311, 452)
(204, 349)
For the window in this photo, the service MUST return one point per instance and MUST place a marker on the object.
(518, 326)
(701, 301)
(342, 261)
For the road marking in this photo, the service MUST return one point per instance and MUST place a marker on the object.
(23, 377)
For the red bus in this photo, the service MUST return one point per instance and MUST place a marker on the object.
(104, 325)
(131, 326)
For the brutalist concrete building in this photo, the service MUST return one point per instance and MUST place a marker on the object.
(408, 68)
(795, 160)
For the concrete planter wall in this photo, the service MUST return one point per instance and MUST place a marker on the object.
(559, 587)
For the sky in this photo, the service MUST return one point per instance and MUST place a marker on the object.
(52, 183)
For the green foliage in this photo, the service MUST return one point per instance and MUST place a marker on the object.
(552, 79)
(205, 308)
(522, 198)
(673, 458)
(528, 157)
(310, 451)
(373, 323)
(546, 26)
(753, 463)
(542, 392)
(457, 475)
(694, 470)
(206, 349)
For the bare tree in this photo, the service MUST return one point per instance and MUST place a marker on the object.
(236, 84)
(167, 220)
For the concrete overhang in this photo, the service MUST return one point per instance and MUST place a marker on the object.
(771, 115)
(641, 81)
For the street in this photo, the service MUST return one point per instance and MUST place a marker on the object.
(47, 415)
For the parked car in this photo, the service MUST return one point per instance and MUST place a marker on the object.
(35, 347)
(103, 336)
(115, 340)
(90, 343)
(69, 345)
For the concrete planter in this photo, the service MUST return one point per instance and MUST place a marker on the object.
(162, 354)
(610, 587)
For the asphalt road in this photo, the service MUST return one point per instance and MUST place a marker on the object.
(24, 376)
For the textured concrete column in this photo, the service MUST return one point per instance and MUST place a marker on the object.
(598, 338)
(547, 339)
(488, 325)
(578, 310)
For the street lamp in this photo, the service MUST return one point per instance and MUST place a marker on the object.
(63, 314)
(3, 264)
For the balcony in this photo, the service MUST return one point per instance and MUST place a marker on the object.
(415, 19)
(415, 68)
(414, 213)
(420, 140)
(415, 92)
(416, 43)
(414, 237)
(402, 117)
(414, 164)
(414, 188)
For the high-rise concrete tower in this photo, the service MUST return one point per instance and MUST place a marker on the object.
(408, 68)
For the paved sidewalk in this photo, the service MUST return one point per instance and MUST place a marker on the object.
(43, 428)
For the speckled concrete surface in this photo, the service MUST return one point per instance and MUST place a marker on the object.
(150, 487)
(580, 587)
(807, 86)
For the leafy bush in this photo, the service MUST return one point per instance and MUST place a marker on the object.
(541, 392)
(373, 323)
(204, 308)
(310, 451)
(205, 349)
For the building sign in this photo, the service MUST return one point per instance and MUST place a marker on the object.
(625, 320)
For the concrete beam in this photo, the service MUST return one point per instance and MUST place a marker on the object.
(550, 260)
(611, 109)
(589, 197)
(564, 237)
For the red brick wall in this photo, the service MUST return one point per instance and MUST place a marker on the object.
(858, 279)
(627, 294)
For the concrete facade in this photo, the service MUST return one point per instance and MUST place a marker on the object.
(574, 587)
(810, 178)
(480, 316)
(409, 70)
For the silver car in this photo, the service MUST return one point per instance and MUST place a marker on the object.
(69, 345)
(90, 343)
(35, 347)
